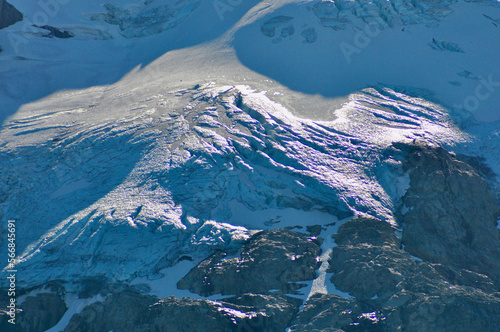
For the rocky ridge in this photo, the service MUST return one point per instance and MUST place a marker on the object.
(395, 291)
(134, 312)
(451, 214)
(278, 259)
(8, 14)
(37, 313)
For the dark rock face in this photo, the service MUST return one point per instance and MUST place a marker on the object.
(368, 231)
(394, 291)
(452, 214)
(119, 311)
(465, 277)
(36, 313)
(129, 311)
(274, 312)
(451, 224)
(270, 260)
(368, 261)
(55, 32)
(332, 313)
(41, 312)
(459, 310)
(366, 271)
(8, 14)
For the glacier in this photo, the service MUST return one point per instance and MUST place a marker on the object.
(161, 182)
(163, 132)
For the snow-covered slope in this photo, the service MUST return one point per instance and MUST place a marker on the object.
(163, 177)
(317, 47)
(167, 129)
(339, 47)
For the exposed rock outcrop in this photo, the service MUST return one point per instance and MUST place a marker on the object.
(8, 14)
(332, 313)
(54, 32)
(36, 314)
(452, 214)
(368, 261)
(455, 311)
(130, 311)
(270, 260)
(395, 291)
